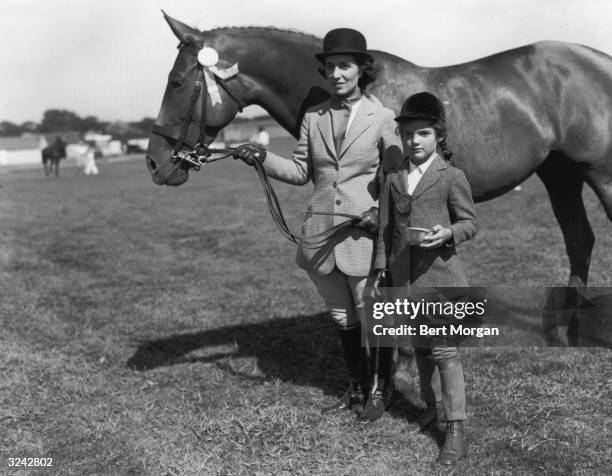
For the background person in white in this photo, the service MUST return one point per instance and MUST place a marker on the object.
(262, 138)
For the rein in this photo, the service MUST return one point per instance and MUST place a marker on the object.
(202, 154)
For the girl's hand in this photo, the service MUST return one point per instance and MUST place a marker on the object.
(437, 237)
(369, 220)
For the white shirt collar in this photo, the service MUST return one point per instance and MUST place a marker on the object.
(354, 108)
(425, 165)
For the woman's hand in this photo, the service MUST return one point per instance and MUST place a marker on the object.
(249, 153)
(437, 237)
(380, 281)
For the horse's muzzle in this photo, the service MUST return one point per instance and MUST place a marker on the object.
(167, 174)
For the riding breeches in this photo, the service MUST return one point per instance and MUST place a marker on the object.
(343, 296)
(441, 376)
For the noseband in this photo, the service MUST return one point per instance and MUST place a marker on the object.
(200, 153)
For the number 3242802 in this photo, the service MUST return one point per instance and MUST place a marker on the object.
(30, 462)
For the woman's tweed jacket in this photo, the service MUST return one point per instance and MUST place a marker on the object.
(347, 181)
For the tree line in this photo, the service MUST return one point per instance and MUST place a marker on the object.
(57, 120)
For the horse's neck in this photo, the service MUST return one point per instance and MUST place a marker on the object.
(397, 78)
(279, 72)
(278, 69)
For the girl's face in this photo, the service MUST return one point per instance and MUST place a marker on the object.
(420, 140)
(342, 74)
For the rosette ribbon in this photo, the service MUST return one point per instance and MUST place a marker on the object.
(208, 58)
(404, 204)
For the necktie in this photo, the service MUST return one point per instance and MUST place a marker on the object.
(340, 113)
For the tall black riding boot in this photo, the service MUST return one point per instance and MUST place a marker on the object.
(380, 395)
(356, 362)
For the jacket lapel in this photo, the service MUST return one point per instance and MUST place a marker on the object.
(325, 128)
(430, 177)
(361, 121)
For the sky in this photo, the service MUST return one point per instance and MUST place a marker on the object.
(111, 58)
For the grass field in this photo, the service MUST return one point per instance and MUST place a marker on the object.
(156, 330)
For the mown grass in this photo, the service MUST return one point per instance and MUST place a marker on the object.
(156, 330)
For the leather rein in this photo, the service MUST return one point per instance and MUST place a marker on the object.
(201, 154)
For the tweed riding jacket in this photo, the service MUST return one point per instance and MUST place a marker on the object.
(346, 181)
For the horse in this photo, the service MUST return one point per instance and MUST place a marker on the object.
(51, 156)
(543, 108)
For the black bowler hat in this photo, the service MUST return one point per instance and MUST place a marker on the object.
(343, 41)
(422, 106)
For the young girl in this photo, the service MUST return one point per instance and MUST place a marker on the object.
(428, 192)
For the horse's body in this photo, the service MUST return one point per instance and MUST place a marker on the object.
(545, 108)
(51, 156)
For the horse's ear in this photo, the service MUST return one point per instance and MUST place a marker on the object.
(183, 32)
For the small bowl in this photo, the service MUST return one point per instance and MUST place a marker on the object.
(417, 235)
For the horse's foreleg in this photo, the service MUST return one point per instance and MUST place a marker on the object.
(600, 180)
(564, 180)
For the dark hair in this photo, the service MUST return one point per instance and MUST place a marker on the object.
(442, 133)
(369, 71)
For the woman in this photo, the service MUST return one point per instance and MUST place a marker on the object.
(343, 142)
(429, 193)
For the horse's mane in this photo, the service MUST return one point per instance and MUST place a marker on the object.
(269, 29)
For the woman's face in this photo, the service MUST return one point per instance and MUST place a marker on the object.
(419, 139)
(342, 73)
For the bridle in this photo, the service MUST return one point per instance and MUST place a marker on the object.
(201, 154)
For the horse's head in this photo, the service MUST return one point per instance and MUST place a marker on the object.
(195, 107)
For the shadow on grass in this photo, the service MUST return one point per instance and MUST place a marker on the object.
(302, 350)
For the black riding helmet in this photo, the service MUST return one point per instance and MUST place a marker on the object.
(426, 106)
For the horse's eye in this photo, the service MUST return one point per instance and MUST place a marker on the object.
(175, 81)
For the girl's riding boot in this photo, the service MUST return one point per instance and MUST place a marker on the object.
(357, 366)
(454, 444)
(453, 397)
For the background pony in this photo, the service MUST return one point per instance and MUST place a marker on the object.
(51, 156)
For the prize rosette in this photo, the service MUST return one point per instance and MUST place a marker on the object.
(404, 204)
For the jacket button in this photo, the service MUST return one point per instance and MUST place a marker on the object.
(338, 202)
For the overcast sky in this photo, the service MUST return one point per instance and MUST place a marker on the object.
(111, 58)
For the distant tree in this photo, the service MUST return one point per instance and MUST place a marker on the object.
(60, 120)
(122, 130)
(144, 125)
(8, 129)
(30, 126)
(91, 123)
